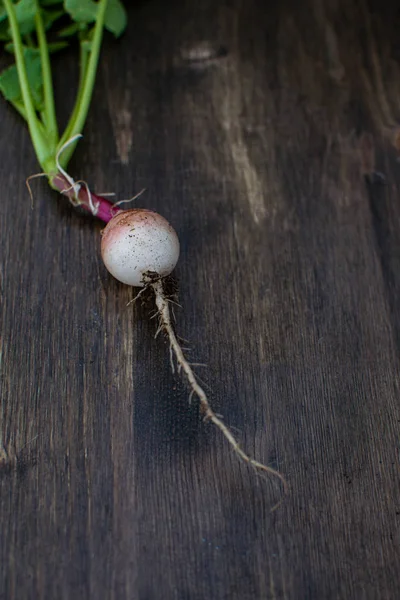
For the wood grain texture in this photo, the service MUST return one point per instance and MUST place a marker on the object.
(266, 133)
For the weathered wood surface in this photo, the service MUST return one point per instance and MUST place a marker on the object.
(265, 132)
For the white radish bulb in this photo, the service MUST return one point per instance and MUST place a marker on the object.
(136, 242)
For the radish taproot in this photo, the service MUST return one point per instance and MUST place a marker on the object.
(139, 247)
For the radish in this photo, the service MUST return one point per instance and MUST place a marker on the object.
(137, 242)
(139, 247)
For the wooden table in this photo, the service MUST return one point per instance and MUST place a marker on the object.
(266, 133)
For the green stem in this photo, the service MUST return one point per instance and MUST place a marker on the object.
(84, 96)
(50, 119)
(38, 140)
(83, 63)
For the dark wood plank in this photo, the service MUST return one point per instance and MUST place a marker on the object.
(266, 133)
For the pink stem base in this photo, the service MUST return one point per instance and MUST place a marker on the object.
(103, 208)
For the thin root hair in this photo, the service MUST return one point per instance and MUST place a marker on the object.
(35, 176)
(126, 201)
(169, 299)
(195, 388)
(142, 291)
(171, 359)
(75, 200)
(74, 185)
(93, 207)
